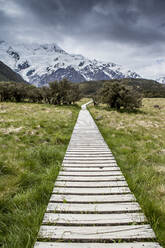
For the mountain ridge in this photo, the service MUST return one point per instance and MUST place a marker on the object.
(40, 64)
(7, 74)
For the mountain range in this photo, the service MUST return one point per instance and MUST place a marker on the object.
(40, 64)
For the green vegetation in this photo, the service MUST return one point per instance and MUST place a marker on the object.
(137, 141)
(58, 93)
(149, 88)
(33, 141)
(118, 96)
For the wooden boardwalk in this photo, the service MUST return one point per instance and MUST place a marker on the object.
(91, 205)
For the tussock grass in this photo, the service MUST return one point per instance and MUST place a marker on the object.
(137, 141)
(33, 141)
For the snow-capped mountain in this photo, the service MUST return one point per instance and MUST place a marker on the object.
(41, 64)
(161, 80)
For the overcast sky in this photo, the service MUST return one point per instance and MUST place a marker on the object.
(127, 32)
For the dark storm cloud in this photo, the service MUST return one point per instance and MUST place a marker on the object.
(131, 21)
(126, 28)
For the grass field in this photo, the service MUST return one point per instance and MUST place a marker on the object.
(137, 141)
(33, 141)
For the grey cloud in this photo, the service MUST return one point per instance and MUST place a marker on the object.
(129, 21)
(137, 25)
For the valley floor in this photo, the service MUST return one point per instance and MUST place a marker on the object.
(137, 141)
(33, 141)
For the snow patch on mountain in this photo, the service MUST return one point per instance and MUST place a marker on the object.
(41, 64)
(161, 80)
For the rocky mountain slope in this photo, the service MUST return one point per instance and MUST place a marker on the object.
(6, 74)
(40, 64)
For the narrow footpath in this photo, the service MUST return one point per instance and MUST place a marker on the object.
(91, 205)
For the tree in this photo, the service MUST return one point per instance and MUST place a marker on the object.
(118, 96)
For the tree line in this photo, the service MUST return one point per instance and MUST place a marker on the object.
(148, 88)
(57, 93)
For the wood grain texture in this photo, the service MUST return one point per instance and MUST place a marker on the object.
(91, 179)
(93, 219)
(92, 198)
(91, 191)
(90, 174)
(91, 184)
(94, 208)
(96, 233)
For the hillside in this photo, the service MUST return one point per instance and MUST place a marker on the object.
(149, 88)
(7, 74)
(40, 64)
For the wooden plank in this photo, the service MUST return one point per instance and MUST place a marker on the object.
(91, 191)
(92, 198)
(87, 155)
(88, 144)
(91, 154)
(91, 184)
(91, 179)
(87, 149)
(97, 245)
(90, 165)
(90, 174)
(97, 233)
(94, 219)
(89, 159)
(94, 208)
(87, 169)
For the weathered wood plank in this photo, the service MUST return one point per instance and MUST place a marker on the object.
(92, 198)
(90, 174)
(89, 153)
(89, 169)
(91, 179)
(111, 233)
(79, 159)
(91, 191)
(91, 184)
(94, 208)
(93, 219)
(87, 149)
(89, 162)
(97, 245)
(90, 165)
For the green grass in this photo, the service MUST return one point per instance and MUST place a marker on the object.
(83, 101)
(33, 141)
(137, 141)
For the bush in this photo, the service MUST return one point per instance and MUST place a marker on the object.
(118, 96)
